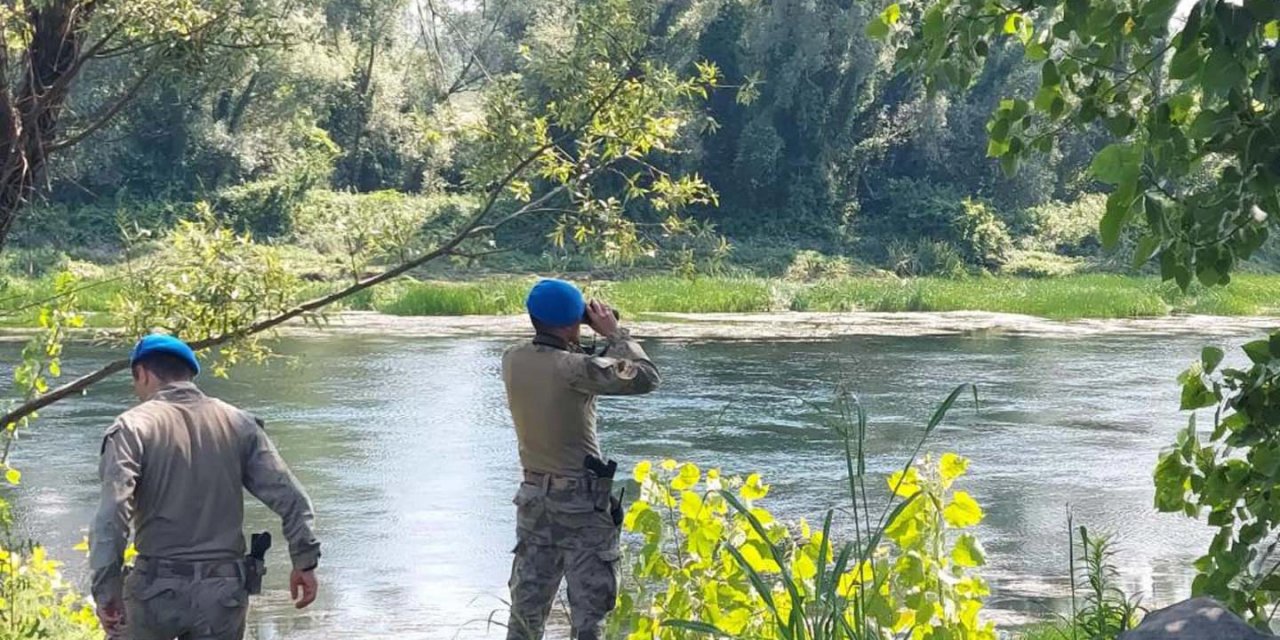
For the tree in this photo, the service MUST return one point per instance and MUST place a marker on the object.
(1189, 91)
(48, 45)
(579, 159)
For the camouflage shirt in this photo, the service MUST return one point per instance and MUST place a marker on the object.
(552, 389)
(173, 470)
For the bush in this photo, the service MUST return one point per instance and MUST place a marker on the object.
(811, 265)
(913, 213)
(35, 601)
(984, 238)
(926, 258)
(713, 560)
(1067, 228)
(357, 230)
(1041, 264)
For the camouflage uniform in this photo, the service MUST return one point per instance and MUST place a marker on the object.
(173, 470)
(563, 525)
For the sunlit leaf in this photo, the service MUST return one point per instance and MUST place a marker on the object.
(905, 484)
(754, 488)
(968, 552)
(963, 511)
(688, 477)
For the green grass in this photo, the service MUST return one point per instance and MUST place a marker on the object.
(21, 299)
(1064, 298)
(1045, 631)
(680, 295)
(1080, 296)
(479, 298)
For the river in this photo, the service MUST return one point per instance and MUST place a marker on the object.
(407, 450)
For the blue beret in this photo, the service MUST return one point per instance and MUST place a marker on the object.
(156, 344)
(556, 303)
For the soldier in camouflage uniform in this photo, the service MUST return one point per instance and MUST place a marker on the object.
(173, 470)
(564, 528)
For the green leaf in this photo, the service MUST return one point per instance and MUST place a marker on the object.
(696, 627)
(1121, 125)
(1049, 74)
(997, 148)
(1119, 206)
(963, 511)
(1222, 72)
(892, 14)
(878, 29)
(1147, 246)
(1210, 358)
(1195, 395)
(1011, 23)
(1187, 61)
(1117, 163)
(968, 552)
(1272, 30)
(1259, 351)
(933, 23)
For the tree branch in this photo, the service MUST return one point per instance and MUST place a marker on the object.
(471, 228)
(107, 116)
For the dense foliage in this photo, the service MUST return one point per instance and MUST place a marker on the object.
(1228, 476)
(1189, 91)
(807, 133)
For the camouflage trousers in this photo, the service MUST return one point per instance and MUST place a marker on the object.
(164, 606)
(564, 532)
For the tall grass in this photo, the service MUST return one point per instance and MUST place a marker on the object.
(1062, 298)
(21, 299)
(681, 295)
(481, 298)
(1081, 296)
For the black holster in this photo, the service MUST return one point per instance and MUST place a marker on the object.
(255, 564)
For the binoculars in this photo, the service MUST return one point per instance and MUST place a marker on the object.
(586, 317)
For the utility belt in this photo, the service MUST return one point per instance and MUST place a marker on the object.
(596, 480)
(161, 568)
(249, 569)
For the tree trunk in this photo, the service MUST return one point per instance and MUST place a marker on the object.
(29, 117)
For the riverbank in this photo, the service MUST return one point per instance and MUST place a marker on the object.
(1091, 296)
(799, 326)
(1067, 298)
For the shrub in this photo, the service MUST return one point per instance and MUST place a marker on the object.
(984, 238)
(809, 265)
(712, 561)
(1061, 227)
(357, 230)
(913, 213)
(35, 601)
(926, 258)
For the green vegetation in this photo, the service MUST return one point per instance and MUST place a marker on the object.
(712, 561)
(1082, 296)
(1062, 298)
(1227, 473)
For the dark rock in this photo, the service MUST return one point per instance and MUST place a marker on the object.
(1195, 619)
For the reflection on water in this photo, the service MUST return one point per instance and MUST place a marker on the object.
(407, 451)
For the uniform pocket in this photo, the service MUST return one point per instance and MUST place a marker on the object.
(527, 494)
(139, 588)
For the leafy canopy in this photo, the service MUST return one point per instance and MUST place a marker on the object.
(1189, 92)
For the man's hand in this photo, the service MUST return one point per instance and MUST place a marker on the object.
(602, 319)
(111, 616)
(303, 587)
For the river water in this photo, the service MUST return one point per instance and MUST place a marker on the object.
(407, 450)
